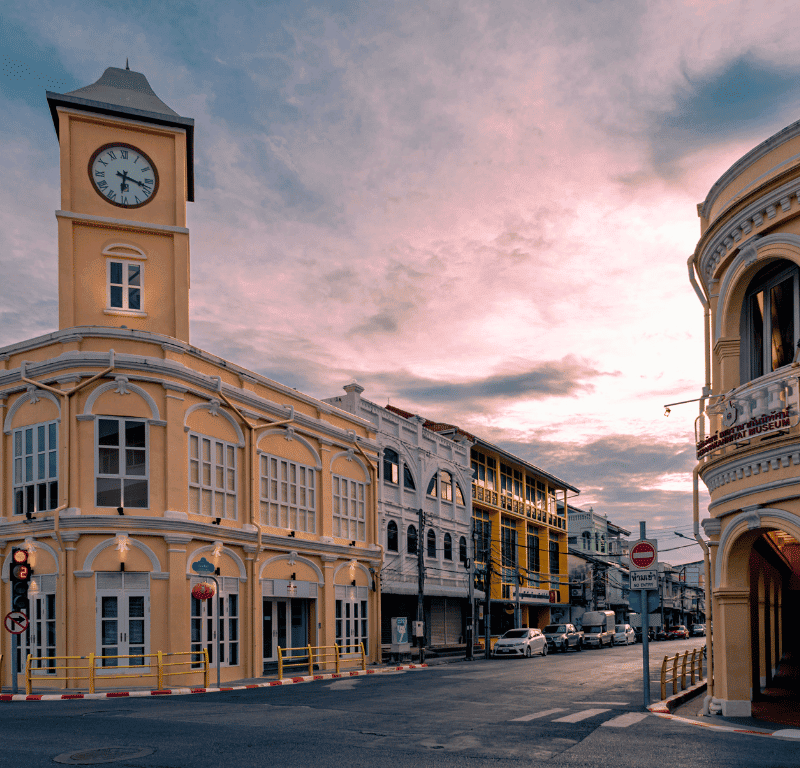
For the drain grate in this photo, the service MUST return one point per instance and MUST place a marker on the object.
(102, 755)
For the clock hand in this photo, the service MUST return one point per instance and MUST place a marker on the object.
(123, 187)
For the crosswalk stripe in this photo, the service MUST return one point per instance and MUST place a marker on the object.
(535, 715)
(623, 721)
(578, 716)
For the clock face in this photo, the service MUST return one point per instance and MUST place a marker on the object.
(123, 175)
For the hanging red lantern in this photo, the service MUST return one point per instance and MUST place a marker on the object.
(205, 590)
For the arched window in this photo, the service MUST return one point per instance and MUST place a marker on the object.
(462, 549)
(587, 540)
(770, 320)
(602, 543)
(448, 547)
(391, 466)
(446, 485)
(431, 543)
(392, 537)
(432, 486)
(411, 540)
(459, 495)
(408, 478)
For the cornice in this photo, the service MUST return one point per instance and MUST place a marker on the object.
(740, 227)
(106, 221)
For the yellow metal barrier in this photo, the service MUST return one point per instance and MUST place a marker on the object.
(322, 655)
(676, 678)
(158, 668)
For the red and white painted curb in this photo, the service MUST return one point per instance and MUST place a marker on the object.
(186, 691)
(664, 709)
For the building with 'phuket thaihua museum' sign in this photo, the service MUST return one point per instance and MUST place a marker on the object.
(128, 455)
(746, 273)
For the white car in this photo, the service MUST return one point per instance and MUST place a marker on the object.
(624, 634)
(521, 642)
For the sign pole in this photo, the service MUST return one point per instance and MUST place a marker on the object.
(14, 654)
(645, 614)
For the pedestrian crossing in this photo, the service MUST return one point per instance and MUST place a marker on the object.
(624, 720)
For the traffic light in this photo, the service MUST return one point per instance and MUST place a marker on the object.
(20, 578)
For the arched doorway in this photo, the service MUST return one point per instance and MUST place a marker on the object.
(755, 617)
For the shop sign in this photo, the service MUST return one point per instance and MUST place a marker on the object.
(756, 427)
(531, 596)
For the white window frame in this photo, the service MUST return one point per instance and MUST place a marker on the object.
(288, 494)
(349, 508)
(126, 288)
(211, 479)
(36, 469)
(203, 624)
(352, 619)
(123, 586)
(42, 628)
(122, 447)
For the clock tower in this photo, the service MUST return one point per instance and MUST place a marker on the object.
(126, 175)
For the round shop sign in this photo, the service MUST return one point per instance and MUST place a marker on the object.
(643, 554)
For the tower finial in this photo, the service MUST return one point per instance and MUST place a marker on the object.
(126, 64)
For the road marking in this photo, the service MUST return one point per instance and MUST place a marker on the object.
(578, 716)
(606, 703)
(623, 721)
(535, 715)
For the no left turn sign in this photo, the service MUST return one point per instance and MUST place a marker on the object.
(644, 554)
(16, 622)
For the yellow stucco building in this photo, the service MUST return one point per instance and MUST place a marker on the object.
(128, 455)
(746, 272)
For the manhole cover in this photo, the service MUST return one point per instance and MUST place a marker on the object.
(102, 755)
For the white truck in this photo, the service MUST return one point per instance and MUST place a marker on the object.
(598, 629)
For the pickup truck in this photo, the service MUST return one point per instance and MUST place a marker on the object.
(562, 637)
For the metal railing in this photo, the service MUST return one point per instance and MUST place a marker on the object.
(71, 669)
(320, 655)
(695, 666)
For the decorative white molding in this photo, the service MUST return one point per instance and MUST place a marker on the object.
(292, 558)
(124, 251)
(115, 386)
(213, 407)
(88, 563)
(137, 226)
(350, 456)
(32, 396)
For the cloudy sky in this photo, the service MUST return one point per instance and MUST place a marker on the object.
(481, 210)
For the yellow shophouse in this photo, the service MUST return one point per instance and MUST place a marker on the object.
(128, 455)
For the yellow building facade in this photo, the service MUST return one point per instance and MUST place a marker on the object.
(129, 455)
(520, 539)
(746, 272)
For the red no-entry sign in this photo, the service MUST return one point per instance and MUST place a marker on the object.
(644, 554)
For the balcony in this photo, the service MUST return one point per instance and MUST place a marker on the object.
(767, 406)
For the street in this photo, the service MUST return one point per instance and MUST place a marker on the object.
(576, 709)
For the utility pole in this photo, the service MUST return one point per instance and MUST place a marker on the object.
(487, 613)
(421, 583)
(471, 618)
(517, 620)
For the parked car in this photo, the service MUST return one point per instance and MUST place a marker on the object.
(678, 632)
(521, 642)
(624, 634)
(562, 637)
(698, 630)
(661, 633)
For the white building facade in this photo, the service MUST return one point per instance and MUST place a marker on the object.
(420, 471)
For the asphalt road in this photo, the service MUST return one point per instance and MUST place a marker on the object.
(575, 709)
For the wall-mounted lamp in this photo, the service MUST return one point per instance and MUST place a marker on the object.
(122, 567)
(123, 545)
(217, 548)
(353, 583)
(28, 517)
(294, 577)
(216, 521)
(291, 534)
(352, 543)
(120, 511)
